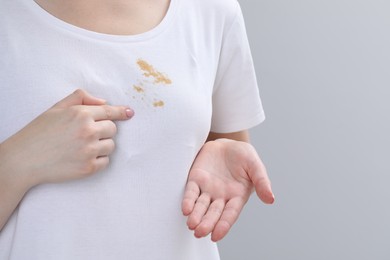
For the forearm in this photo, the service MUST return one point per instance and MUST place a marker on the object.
(13, 185)
(10, 196)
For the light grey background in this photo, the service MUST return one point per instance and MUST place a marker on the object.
(324, 74)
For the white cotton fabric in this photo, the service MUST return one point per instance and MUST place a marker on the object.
(132, 209)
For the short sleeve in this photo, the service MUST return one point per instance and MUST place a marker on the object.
(236, 100)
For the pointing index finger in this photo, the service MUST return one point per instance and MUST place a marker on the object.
(107, 112)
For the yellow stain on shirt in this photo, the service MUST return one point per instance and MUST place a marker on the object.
(138, 89)
(150, 71)
(159, 103)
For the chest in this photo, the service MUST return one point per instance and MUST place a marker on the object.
(164, 84)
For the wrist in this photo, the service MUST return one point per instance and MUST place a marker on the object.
(12, 172)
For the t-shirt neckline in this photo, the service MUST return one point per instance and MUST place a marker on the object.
(54, 21)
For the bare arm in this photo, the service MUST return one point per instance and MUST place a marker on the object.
(13, 186)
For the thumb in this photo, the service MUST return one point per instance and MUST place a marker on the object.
(79, 97)
(258, 174)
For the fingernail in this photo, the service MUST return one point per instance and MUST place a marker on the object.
(129, 112)
(272, 198)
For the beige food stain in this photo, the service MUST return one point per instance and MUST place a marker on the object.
(138, 89)
(159, 103)
(143, 89)
(150, 71)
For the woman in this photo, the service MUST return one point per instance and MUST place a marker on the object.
(92, 184)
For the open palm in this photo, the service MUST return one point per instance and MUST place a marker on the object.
(220, 181)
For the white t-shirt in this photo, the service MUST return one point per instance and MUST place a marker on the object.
(191, 74)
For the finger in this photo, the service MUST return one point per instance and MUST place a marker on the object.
(101, 163)
(200, 208)
(107, 112)
(258, 174)
(106, 129)
(79, 97)
(210, 219)
(191, 194)
(229, 216)
(106, 147)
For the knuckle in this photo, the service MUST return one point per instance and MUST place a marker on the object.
(90, 151)
(190, 195)
(84, 114)
(73, 110)
(80, 113)
(232, 211)
(111, 145)
(205, 196)
(104, 163)
(215, 210)
(202, 203)
(79, 92)
(91, 166)
(108, 111)
(113, 128)
(88, 168)
(89, 132)
(225, 225)
(261, 181)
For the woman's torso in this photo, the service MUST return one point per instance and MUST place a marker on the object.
(131, 210)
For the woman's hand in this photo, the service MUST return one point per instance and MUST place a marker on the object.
(71, 140)
(220, 181)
